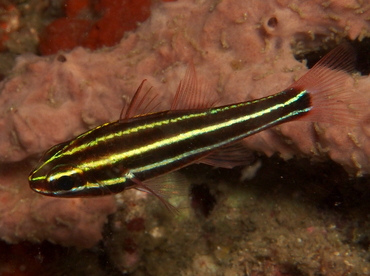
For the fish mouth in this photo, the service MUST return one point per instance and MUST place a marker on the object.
(38, 183)
(37, 179)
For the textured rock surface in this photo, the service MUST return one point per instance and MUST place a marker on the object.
(287, 220)
(242, 49)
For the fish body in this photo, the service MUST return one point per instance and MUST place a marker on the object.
(128, 153)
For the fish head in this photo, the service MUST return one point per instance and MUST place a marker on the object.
(64, 180)
(68, 180)
(58, 175)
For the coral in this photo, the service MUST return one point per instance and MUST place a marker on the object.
(242, 49)
(80, 28)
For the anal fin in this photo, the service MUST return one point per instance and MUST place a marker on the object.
(229, 156)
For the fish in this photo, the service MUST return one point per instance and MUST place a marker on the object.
(141, 148)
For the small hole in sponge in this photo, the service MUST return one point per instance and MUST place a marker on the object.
(272, 22)
(61, 58)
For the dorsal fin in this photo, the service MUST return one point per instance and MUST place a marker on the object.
(139, 106)
(190, 93)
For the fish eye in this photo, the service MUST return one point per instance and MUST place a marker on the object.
(65, 178)
(65, 183)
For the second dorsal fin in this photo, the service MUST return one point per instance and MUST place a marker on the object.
(190, 93)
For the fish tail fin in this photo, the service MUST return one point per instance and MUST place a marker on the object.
(330, 87)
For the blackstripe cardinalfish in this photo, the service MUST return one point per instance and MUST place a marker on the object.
(138, 149)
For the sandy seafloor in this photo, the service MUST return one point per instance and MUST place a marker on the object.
(293, 218)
